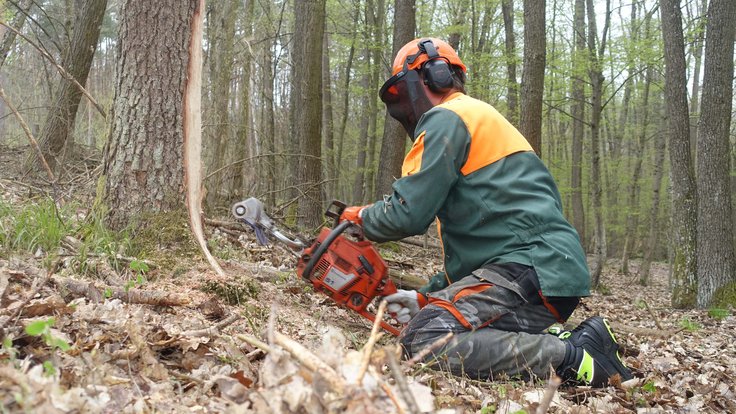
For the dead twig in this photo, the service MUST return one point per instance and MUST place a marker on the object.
(28, 298)
(552, 386)
(375, 335)
(311, 361)
(426, 351)
(401, 383)
(651, 313)
(28, 133)
(255, 342)
(212, 330)
(135, 296)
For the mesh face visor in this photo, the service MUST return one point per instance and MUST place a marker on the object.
(405, 99)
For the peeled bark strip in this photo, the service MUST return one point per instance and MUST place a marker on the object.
(193, 136)
(133, 296)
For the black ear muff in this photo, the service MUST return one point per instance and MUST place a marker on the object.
(436, 71)
(437, 75)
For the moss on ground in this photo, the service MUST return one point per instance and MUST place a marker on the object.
(164, 238)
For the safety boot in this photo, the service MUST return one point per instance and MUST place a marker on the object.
(591, 354)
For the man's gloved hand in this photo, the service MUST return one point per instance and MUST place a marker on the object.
(352, 214)
(404, 304)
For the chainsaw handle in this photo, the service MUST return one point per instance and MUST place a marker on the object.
(323, 248)
(340, 207)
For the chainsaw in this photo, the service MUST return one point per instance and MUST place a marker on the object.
(350, 272)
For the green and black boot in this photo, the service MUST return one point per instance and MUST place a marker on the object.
(591, 354)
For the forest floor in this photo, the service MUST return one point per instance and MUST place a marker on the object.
(95, 335)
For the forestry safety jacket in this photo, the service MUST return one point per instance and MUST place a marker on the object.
(493, 199)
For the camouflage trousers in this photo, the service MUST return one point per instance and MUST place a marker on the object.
(498, 317)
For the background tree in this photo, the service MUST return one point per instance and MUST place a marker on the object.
(715, 244)
(394, 135)
(77, 61)
(512, 113)
(142, 170)
(683, 191)
(532, 79)
(307, 118)
(578, 118)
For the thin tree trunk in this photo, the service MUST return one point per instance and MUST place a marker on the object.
(695, 91)
(394, 136)
(59, 126)
(653, 237)
(596, 52)
(532, 82)
(683, 191)
(244, 133)
(715, 243)
(512, 89)
(578, 125)
(328, 123)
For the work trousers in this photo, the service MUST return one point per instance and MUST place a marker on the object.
(499, 317)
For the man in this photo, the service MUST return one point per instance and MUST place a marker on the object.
(513, 264)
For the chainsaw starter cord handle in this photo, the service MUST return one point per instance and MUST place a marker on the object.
(323, 248)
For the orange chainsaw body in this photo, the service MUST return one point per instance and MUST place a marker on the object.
(352, 273)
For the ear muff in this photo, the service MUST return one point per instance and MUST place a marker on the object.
(437, 75)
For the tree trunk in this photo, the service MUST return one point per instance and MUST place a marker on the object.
(532, 82)
(244, 132)
(695, 91)
(596, 51)
(222, 29)
(59, 125)
(307, 122)
(358, 194)
(653, 237)
(394, 136)
(328, 124)
(578, 118)
(715, 244)
(143, 168)
(684, 202)
(512, 89)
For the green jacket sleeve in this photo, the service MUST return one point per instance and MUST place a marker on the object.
(436, 282)
(417, 198)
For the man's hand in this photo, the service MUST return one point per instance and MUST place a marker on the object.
(404, 304)
(352, 214)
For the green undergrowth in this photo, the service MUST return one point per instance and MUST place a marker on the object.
(33, 226)
(165, 239)
(234, 291)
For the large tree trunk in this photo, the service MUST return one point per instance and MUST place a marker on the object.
(307, 121)
(394, 135)
(59, 125)
(532, 81)
(684, 202)
(512, 89)
(715, 230)
(143, 168)
(578, 124)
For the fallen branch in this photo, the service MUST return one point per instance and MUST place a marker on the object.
(368, 349)
(401, 383)
(311, 361)
(255, 342)
(426, 351)
(212, 330)
(552, 386)
(133, 296)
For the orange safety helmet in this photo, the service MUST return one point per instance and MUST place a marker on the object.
(411, 51)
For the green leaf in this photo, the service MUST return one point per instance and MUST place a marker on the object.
(39, 327)
(108, 293)
(61, 344)
(649, 387)
(49, 368)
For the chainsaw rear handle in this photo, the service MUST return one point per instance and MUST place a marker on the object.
(340, 207)
(337, 231)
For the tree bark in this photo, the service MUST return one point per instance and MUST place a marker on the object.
(683, 191)
(394, 136)
(578, 117)
(59, 125)
(328, 123)
(222, 32)
(143, 168)
(653, 234)
(596, 51)
(512, 89)
(715, 244)
(307, 122)
(532, 81)
(244, 132)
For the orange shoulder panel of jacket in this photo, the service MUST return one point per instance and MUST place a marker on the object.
(492, 137)
(413, 160)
